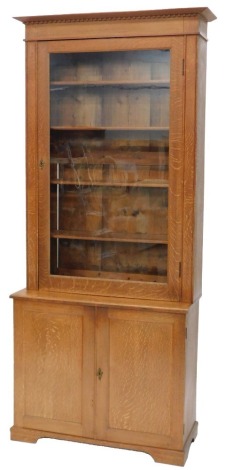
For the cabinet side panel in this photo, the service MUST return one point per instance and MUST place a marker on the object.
(194, 168)
(191, 369)
(31, 166)
(199, 178)
(18, 364)
(189, 166)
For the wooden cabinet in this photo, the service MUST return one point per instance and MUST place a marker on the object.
(106, 329)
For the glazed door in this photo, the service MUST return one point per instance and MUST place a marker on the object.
(140, 366)
(110, 166)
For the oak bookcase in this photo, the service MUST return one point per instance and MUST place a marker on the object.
(106, 329)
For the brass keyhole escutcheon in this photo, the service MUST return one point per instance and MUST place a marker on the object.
(41, 164)
(99, 373)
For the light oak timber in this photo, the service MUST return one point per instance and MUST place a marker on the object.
(112, 275)
(191, 368)
(160, 455)
(31, 166)
(118, 83)
(108, 128)
(194, 168)
(103, 355)
(205, 13)
(137, 238)
(199, 169)
(135, 388)
(56, 392)
(164, 22)
(189, 165)
(176, 158)
(141, 184)
(135, 28)
(153, 158)
(95, 300)
(103, 287)
(42, 325)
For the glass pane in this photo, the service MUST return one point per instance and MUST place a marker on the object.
(109, 164)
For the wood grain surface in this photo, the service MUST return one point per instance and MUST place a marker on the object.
(104, 353)
(134, 386)
(194, 168)
(159, 22)
(54, 386)
(168, 456)
(31, 166)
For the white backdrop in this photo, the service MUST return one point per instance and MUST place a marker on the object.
(46, 454)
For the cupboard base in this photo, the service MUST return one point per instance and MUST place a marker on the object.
(167, 456)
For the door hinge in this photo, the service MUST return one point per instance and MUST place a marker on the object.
(183, 67)
(180, 267)
(186, 333)
(41, 164)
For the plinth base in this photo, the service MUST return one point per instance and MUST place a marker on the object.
(167, 456)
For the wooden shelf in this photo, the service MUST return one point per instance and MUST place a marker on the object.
(139, 184)
(110, 236)
(110, 157)
(126, 276)
(114, 83)
(108, 128)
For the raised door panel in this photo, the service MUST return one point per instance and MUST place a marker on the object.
(55, 345)
(139, 397)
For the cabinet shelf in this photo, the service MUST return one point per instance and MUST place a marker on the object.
(109, 128)
(110, 236)
(138, 184)
(126, 276)
(114, 83)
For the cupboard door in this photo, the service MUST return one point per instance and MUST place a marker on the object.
(110, 149)
(139, 393)
(54, 370)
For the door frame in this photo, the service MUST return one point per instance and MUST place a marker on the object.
(119, 288)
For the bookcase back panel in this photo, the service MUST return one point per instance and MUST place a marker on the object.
(116, 65)
(116, 260)
(102, 156)
(109, 106)
(112, 210)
